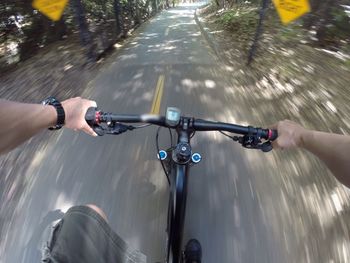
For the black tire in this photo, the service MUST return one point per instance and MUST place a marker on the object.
(176, 214)
(168, 229)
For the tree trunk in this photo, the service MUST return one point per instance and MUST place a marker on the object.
(325, 16)
(118, 18)
(137, 16)
(61, 29)
(312, 17)
(85, 34)
(154, 7)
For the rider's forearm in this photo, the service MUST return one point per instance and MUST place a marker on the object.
(332, 149)
(20, 121)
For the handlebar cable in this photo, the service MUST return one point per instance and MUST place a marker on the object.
(142, 126)
(171, 138)
(235, 138)
(161, 162)
(192, 135)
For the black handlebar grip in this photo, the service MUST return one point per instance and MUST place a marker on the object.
(273, 134)
(90, 116)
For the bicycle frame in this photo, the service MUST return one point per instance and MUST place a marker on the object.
(179, 162)
(177, 205)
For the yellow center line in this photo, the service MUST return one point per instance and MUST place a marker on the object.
(158, 95)
(167, 31)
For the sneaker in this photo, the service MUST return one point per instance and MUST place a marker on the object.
(193, 252)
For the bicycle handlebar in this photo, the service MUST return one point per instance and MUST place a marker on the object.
(95, 117)
(204, 125)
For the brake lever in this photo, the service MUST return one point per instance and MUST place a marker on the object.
(254, 142)
(119, 128)
(99, 130)
(113, 128)
(266, 146)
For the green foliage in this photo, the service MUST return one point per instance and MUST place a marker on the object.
(242, 20)
(290, 34)
(327, 19)
(104, 21)
(98, 9)
(347, 62)
(341, 23)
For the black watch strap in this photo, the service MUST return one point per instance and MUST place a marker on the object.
(60, 112)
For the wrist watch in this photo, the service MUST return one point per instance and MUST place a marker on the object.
(60, 112)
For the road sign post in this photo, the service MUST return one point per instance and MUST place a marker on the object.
(259, 30)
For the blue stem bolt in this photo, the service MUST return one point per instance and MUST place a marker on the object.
(196, 158)
(162, 155)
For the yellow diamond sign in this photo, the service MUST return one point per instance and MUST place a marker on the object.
(289, 10)
(53, 9)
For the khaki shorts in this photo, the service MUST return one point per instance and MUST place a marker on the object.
(82, 235)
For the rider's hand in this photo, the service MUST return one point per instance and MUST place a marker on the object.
(75, 110)
(290, 135)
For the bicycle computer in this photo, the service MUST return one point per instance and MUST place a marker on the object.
(172, 117)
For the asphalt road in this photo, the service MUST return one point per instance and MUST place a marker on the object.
(167, 56)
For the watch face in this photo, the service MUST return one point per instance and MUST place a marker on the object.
(49, 101)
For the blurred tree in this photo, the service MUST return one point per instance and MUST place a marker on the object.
(23, 30)
(155, 7)
(118, 17)
(85, 34)
(329, 19)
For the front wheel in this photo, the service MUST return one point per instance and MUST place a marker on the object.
(168, 229)
(193, 251)
(176, 214)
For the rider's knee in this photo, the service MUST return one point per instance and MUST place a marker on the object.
(97, 210)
